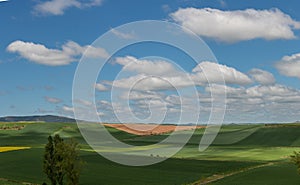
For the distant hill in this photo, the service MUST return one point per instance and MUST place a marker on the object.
(41, 118)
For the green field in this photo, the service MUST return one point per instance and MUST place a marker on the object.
(241, 154)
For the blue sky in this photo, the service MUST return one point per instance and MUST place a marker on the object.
(256, 44)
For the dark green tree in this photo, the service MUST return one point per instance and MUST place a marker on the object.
(49, 162)
(296, 160)
(61, 159)
(72, 163)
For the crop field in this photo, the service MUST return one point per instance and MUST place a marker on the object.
(150, 129)
(12, 148)
(240, 154)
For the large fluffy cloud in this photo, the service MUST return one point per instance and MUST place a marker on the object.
(146, 74)
(162, 75)
(237, 25)
(57, 7)
(218, 73)
(152, 67)
(40, 54)
(289, 65)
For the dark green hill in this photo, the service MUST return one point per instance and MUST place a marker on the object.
(38, 118)
(281, 135)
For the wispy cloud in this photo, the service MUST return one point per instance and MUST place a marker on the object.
(100, 87)
(52, 100)
(68, 109)
(43, 111)
(166, 8)
(48, 87)
(223, 3)
(123, 35)
(25, 88)
(58, 7)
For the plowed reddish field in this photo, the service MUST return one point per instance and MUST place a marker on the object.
(150, 129)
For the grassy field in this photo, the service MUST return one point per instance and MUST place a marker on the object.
(277, 174)
(240, 154)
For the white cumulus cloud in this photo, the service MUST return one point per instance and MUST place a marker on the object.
(262, 77)
(40, 54)
(153, 67)
(218, 73)
(163, 75)
(237, 25)
(289, 65)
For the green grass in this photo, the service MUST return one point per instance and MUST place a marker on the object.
(8, 182)
(27, 166)
(274, 136)
(277, 174)
(22, 165)
(232, 153)
(172, 171)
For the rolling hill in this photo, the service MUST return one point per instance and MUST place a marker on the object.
(37, 118)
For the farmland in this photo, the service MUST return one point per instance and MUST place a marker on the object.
(149, 129)
(239, 154)
(12, 148)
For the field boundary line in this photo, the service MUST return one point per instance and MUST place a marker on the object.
(217, 177)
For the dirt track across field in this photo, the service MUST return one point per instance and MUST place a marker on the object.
(217, 177)
(150, 129)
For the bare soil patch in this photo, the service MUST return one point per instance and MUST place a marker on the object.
(150, 129)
